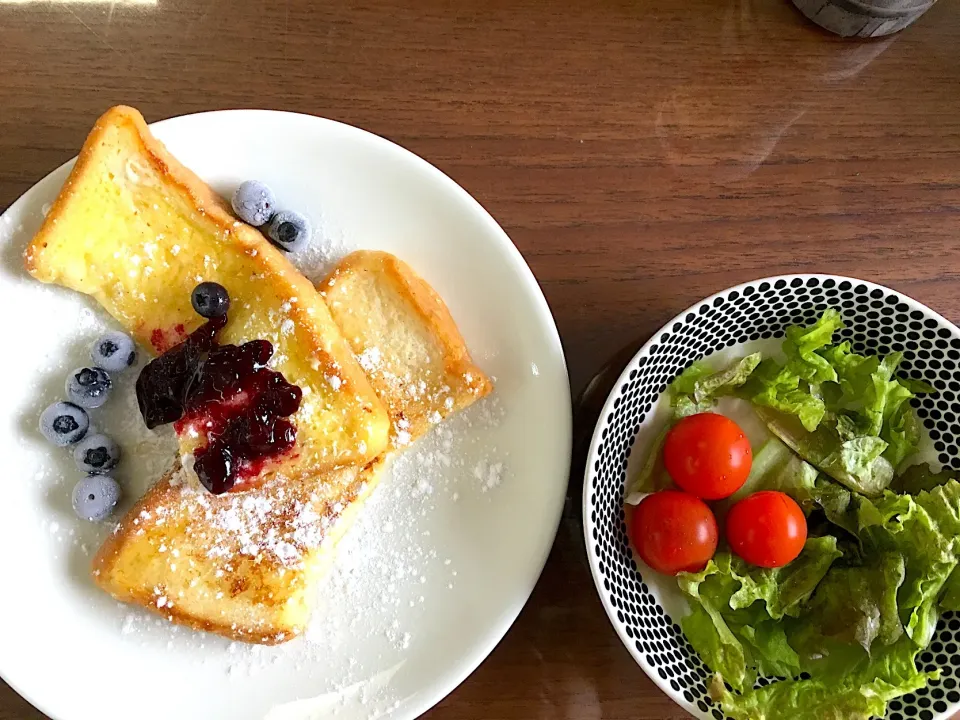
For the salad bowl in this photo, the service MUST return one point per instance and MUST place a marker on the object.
(647, 608)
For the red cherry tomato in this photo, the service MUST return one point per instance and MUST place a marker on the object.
(673, 531)
(766, 529)
(707, 455)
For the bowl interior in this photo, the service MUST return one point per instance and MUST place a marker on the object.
(644, 606)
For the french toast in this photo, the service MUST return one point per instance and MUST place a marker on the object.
(239, 565)
(405, 339)
(243, 566)
(137, 230)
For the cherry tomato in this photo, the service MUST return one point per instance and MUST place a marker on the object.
(766, 529)
(707, 455)
(673, 531)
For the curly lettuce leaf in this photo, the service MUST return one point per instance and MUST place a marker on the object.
(858, 457)
(857, 695)
(855, 605)
(779, 388)
(736, 608)
(858, 464)
(769, 649)
(925, 529)
(802, 343)
(860, 395)
(836, 502)
(877, 402)
(716, 644)
(783, 590)
(706, 626)
(698, 387)
(918, 478)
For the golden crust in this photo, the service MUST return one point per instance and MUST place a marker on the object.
(425, 376)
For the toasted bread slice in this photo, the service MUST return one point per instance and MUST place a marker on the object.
(405, 339)
(138, 231)
(239, 565)
(244, 566)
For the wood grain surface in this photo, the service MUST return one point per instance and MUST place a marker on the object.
(640, 154)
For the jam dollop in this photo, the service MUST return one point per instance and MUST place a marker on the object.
(227, 394)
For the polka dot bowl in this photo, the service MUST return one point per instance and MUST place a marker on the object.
(645, 607)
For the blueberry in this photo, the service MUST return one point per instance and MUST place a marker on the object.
(88, 387)
(289, 230)
(253, 202)
(64, 423)
(96, 454)
(95, 496)
(114, 352)
(210, 299)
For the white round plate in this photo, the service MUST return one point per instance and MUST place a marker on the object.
(444, 555)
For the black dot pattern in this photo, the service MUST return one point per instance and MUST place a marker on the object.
(878, 321)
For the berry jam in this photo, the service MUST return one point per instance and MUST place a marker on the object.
(226, 393)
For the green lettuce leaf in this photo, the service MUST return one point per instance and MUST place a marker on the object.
(652, 475)
(950, 598)
(917, 386)
(779, 388)
(925, 529)
(698, 387)
(860, 395)
(858, 455)
(736, 608)
(847, 364)
(918, 478)
(854, 605)
(902, 433)
(769, 650)
(783, 590)
(859, 465)
(776, 467)
(801, 344)
(878, 401)
(706, 626)
(716, 644)
(837, 503)
(857, 695)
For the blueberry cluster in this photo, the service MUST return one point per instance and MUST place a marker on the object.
(255, 204)
(67, 423)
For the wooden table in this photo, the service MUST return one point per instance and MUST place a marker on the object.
(640, 154)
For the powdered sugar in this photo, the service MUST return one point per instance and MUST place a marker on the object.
(370, 359)
(327, 247)
(489, 474)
